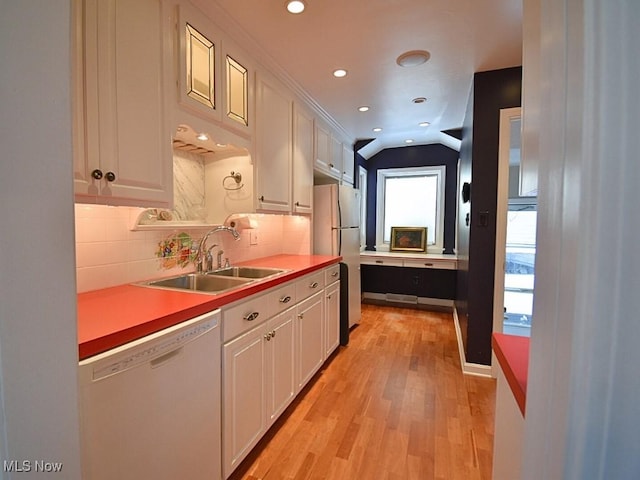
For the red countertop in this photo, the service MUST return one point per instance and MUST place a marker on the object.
(113, 316)
(512, 352)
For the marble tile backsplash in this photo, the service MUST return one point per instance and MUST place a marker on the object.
(108, 253)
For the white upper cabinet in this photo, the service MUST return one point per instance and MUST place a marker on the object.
(214, 75)
(347, 165)
(273, 164)
(322, 148)
(302, 160)
(122, 153)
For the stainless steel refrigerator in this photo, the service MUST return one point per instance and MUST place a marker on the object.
(336, 231)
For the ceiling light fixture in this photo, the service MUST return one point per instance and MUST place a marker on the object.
(377, 129)
(203, 137)
(363, 108)
(413, 58)
(424, 124)
(295, 6)
(408, 140)
(339, 73)
(419, 100)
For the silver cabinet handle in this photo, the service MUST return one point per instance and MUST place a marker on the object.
(379, 261)
(250, 317)
(334, 274)
(314, 285)
(428, 264)
(285, 299)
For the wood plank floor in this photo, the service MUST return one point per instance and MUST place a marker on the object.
(393, 404)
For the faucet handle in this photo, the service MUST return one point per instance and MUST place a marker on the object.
(226, 263)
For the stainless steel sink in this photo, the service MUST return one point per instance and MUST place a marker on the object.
(199, 283)
(247, 272)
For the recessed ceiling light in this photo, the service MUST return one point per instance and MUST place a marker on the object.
(419, 100)
(413, 58)
(377, 129)
(363, 108)
(408, 140)
(295, 6)
(203, 137)
(339, 73)
(424, 124)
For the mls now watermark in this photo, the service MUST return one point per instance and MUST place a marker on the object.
(17, 466)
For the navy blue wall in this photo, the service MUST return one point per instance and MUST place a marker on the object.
(491, 92)
(413, 156)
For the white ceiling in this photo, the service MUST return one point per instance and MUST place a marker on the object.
(365, 37)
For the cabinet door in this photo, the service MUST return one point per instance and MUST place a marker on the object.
(302, 160)
(309, 338)
(347, 165)
(322, 148)
(332, 318)
(244, 382)
(273, 146)
(335, 165)
(125, 77)
(280, 364)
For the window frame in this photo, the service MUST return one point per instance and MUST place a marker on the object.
(362, 186)
(439, 171)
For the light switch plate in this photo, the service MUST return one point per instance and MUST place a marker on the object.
(253, 237)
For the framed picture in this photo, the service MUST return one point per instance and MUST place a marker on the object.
(408, 239)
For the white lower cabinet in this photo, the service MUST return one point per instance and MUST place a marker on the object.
(244, 396)
(309, 333)
(274, 342)
(279, 356)
(332, 318)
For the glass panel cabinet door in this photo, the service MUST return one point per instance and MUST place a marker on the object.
(200, 70)
(237, 91)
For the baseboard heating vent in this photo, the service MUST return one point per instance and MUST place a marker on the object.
(394, 297)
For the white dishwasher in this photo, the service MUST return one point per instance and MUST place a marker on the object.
(150, 409)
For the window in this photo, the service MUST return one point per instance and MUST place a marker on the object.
(411, 197)
(519, 268)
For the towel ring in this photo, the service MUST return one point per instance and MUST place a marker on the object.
(237, 177)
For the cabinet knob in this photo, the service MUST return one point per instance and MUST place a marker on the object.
(268, 336)
(297, 204)
(334, 274)
(314, 285)
(110, 176)
(261, 198)
(97, 174)
(273, 333)
(379, 261)
(301, 316)
(286, 299)
(331, 165)
(250, 317)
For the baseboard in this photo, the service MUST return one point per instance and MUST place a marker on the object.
(411, 301)
(467, 367)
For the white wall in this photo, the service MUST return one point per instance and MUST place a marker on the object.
(583, 414)
(38, 347)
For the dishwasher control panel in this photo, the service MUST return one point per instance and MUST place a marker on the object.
(152, 348)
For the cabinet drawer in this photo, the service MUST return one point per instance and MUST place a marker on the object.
(332, 274)
(389, 262)
(309, 284)
(282, 298)
(426, 263)
(244, 315)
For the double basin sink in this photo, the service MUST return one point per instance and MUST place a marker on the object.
(216, 281)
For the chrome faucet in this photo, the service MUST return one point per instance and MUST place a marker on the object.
(204, 254)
